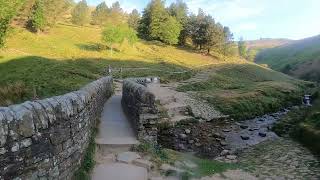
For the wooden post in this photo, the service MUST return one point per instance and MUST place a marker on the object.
(109, 70)
(120, 72)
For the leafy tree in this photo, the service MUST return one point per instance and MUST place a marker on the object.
(134, 18)
(37, 21)
(228, 47)
(179, 10)
(153, 23)
(242, 48)
(80, 14)
(116, 34)
(100, 14)
(7, 11)
(116, 14)
(55, 9)
(170, 31)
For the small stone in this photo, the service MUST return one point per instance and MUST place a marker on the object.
(26, 143)
(183, 136)
(244, 126)
(262, 134)
(15, 147)
(223, 143)
(231, 157)
(191, 141)
(127, 157)
(188, 131)
(143, 163)
(226, 130)
(225, 152)
(181, 146)
(2, 151)
(245, 137)
(198, 144)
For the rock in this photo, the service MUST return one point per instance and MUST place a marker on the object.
(226, 130)
(183, 136)
(169, 168)
(254, 129)
(181, 147)
(188, 131)
(2, 151)
(262, 134)
(223, 143)
(143, 163)
(231, 157)
(217, 135)
(191, 141)
(225, 152)
(127, 157)
(244, 126)
(245, 137)
(198, 144)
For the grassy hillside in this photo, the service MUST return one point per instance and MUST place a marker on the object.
(247, 90)
(299, 58)
(266, 43)
(66, 58)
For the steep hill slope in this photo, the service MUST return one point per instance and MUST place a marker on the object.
(66, 58)
(299, 58)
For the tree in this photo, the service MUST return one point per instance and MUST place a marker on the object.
(7, 12)
(37, 21)
(116, 14)
(242, 48)
(100, 14)
(116, 34)
(55, 9)
(153, 23)
(133, 20)
(80, 14)
(228, 47)
(179, 10)
(170, 31)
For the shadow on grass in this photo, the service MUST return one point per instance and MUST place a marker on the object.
(91, 47)
(54, 77)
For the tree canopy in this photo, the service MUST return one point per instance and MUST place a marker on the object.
(80, 14)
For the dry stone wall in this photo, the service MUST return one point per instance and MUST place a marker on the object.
(140, 105)
(46, 139)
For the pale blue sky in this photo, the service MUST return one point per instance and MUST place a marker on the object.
(253, 19)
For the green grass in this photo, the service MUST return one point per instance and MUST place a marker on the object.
(247, 90)
(300, 58)
(68, 57)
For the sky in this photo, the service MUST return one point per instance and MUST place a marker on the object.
(252, 19)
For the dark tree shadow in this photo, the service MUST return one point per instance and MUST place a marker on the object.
(91, 47)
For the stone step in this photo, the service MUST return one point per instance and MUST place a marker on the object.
(119, 171)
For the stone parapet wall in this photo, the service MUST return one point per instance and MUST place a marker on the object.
(47, 139)
(140, 105)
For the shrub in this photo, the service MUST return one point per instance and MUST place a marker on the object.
(37, 20)
(117, 34)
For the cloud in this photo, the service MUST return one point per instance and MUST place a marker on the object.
(126, 5)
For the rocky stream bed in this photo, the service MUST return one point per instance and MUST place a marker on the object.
(252, 143)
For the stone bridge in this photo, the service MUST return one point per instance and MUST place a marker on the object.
(47, 139)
